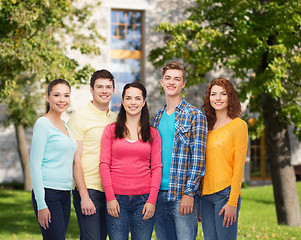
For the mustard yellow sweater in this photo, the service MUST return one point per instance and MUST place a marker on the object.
(226, 150)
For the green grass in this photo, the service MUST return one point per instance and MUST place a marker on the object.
(17, 218)
(257, 217)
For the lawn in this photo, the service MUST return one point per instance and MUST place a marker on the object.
(257, 217)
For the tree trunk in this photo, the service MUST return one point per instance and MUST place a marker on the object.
(279, 155)
(24, 155)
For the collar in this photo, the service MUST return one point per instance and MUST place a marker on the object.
(97, 111)
(182, 105)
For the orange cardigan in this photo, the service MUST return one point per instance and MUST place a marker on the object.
(226, 150)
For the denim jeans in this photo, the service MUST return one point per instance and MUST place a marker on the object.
(212, 223)
(130, 218)
(59, 205)
(91, 227)
(170, 224)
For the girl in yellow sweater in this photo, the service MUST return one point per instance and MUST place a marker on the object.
(226, 150)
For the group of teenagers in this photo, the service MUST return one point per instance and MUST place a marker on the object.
(128, 174)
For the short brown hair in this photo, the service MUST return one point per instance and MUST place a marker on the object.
(177, 66)
(102, 74)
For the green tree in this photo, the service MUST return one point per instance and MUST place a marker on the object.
(261, 37)
(33, 46)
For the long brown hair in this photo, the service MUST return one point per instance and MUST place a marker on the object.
(234, 106)
(121, 130)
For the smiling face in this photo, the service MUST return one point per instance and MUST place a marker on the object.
(102, 92)
(219, 98)
(133, 101)
(173, 82)
(59, 98)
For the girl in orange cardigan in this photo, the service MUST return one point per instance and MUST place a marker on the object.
(226, 150)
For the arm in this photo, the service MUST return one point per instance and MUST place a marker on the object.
(105, 163)
(198, 137)
(39, 141)
(87, 206)
(156, 166)
(240, 136)
(156, 172)
(105, 171)
(78, 129)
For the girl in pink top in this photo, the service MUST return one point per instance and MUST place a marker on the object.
(130, 167)
(226, 149)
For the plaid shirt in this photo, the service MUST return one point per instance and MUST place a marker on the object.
(188, 153)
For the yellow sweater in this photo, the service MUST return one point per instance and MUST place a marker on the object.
(226, 150)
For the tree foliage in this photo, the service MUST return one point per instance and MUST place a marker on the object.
(259, 40)
(35, 37)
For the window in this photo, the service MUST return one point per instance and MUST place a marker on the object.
(260, 166)
(126, 50)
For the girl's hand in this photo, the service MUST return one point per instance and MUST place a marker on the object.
(44, 217)
(229, 216)
(113, 208)
(148, 211)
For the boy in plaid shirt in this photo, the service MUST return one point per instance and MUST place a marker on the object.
(183, 131)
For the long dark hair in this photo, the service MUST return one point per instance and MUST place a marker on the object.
(121, 131)
(234, 106)
(51, 86)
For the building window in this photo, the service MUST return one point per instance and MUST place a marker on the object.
(126, 50)
(260, 166)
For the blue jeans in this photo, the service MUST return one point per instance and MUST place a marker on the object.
(212, 223)
(130, 217)
(91, 227)
(59, 205)
(170, 224)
